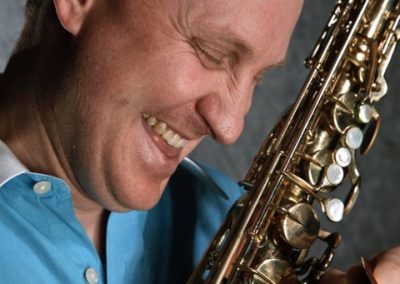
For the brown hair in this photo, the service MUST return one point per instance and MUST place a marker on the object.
(36, 16)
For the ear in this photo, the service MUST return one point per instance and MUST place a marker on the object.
(72, 13)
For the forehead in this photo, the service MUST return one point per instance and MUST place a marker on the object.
(255, 12)
(264, 25)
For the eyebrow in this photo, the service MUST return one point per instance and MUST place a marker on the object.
(263, 71)
(274, 66)
(242, 45)
(239, 43)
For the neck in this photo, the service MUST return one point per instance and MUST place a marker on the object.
(26, 127)
(22, 125)
(95, 224)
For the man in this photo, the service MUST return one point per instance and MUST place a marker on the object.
(100, 103)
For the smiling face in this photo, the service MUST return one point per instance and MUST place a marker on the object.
(150, 79)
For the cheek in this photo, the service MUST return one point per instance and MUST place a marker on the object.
(127, 58)
(146, 78)
(175, 80)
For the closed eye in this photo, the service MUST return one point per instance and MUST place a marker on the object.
(207, 57)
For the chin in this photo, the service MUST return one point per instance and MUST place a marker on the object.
(137, 196)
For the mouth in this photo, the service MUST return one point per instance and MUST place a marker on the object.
(168, 140)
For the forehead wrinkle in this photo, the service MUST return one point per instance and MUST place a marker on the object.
(205, 23)
(184, 9)
(224, 36)
(210, 30)
(180, 17)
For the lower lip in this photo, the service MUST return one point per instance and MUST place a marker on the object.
(168, 151)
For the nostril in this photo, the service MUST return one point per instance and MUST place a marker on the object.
(224, 117)
(230, 130)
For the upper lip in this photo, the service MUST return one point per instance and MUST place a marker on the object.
(194, 128)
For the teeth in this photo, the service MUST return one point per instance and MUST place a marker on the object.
(175, 139)
(181, 143)
(151, 121)
(168, 135)
(161, 128)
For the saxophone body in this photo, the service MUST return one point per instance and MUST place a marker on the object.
(308, 162)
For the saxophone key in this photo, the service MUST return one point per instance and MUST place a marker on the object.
(365, 113)
(334, 174)
(343, 157)
(334, 209)
(300, 225)
(354, 137)
(274, 271)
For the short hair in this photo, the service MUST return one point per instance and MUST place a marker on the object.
(36, 14)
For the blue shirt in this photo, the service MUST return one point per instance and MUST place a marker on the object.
(41, 240)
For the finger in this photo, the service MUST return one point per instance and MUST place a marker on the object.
(354, 275)
(334, 277)
(357, 274)
(387, 266)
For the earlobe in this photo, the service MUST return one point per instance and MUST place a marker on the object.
(72, 13)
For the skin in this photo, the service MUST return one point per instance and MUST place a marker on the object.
(193, 95)
(192, 64)
(132, 57)
(385, 268)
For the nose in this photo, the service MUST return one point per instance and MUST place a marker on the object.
(225, 108)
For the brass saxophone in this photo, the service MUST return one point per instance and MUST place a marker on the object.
(310, 156)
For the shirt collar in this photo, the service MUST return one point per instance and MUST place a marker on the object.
(10, 166)
(205, 176)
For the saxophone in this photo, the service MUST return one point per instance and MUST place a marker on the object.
(308, 162)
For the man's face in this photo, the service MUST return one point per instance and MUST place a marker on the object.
(147, 74)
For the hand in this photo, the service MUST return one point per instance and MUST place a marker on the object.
(385, 269)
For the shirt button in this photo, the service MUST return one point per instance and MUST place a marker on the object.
(42, 187)
(91, 275)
